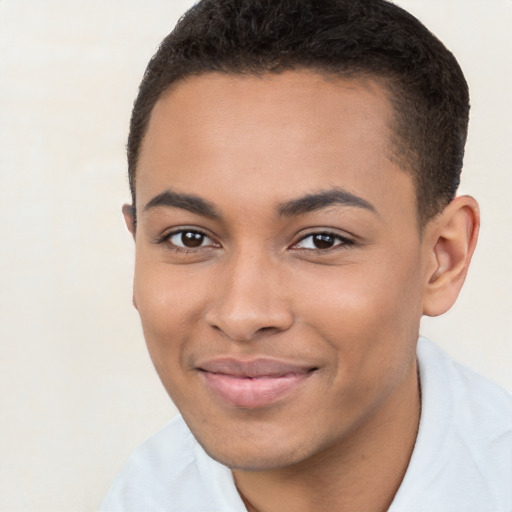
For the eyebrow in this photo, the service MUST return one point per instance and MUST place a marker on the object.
(189, 202)
(302, 205)
(323, 199)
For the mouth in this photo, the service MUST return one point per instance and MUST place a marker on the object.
(255, 383)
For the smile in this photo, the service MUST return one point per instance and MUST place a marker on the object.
(252, 384)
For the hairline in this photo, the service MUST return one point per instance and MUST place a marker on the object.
(400, 152)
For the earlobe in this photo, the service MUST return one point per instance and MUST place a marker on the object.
(451, 241)
(129, 218)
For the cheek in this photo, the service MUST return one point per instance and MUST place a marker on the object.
(371, 327)
(369, 313)
(167, 304)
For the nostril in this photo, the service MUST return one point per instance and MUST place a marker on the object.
(266, 329)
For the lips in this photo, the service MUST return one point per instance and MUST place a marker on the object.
(254, 383)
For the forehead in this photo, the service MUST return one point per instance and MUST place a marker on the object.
(305, 105)
(273, 134)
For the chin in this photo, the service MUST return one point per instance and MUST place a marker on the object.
(256, 453)
(254, 459)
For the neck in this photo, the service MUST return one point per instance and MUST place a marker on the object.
(361, 472)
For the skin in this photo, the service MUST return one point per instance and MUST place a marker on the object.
(258, 286)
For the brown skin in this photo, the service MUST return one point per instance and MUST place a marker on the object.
(257, 285)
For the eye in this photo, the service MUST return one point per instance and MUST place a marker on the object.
(322, 241)
(189, 239)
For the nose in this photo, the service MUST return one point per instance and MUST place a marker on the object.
(249, 299)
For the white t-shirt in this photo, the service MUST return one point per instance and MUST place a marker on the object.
(462, 460)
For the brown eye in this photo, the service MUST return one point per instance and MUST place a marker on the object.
(322, 241)
(190, 239)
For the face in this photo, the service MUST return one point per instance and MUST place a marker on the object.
(279, 268)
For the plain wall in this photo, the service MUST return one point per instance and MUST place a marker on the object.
(77, 389)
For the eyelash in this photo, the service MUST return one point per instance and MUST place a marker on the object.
(168, 236)
(343, 241)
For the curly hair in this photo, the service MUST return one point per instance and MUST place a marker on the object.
(344, 38)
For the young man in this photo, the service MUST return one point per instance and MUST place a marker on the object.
(293, 168)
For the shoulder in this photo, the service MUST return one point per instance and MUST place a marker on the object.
(479, 406)
(171, 472)
(462, 460)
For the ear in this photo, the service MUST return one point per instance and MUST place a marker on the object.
(450, 240)
(129, 218)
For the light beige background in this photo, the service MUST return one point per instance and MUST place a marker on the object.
(77, 389)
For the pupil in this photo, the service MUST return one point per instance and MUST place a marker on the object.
(323, 241)
(191, 239)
